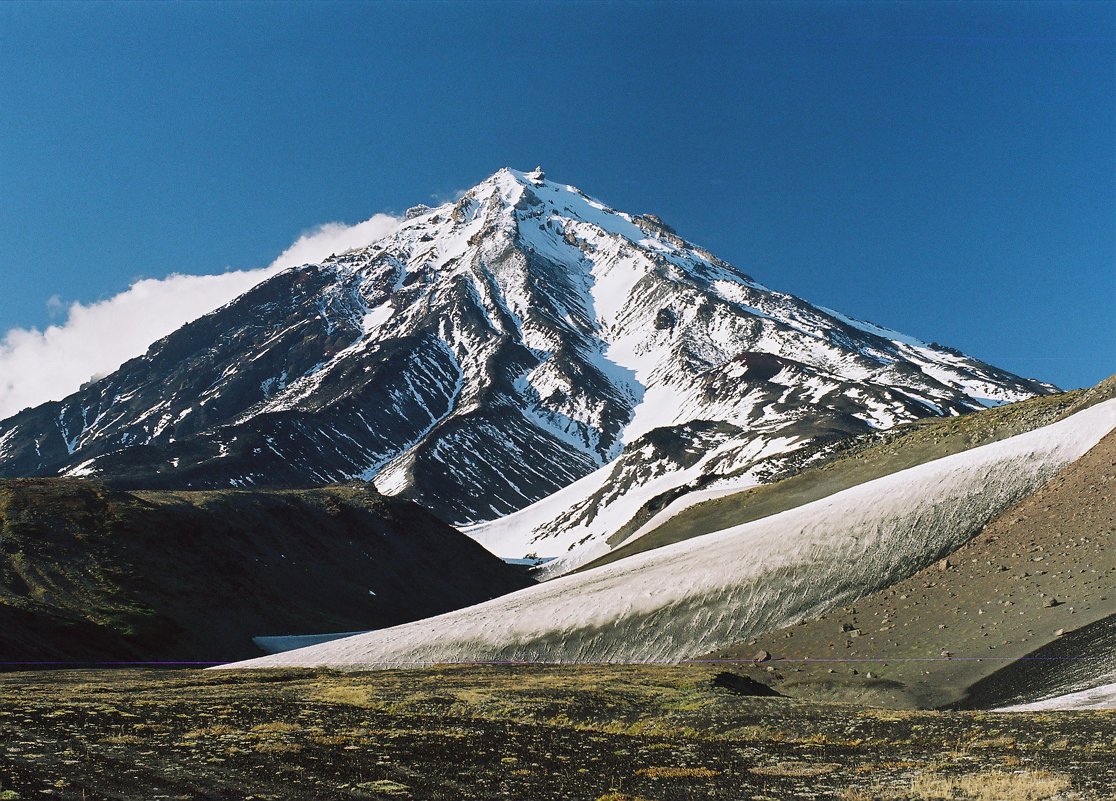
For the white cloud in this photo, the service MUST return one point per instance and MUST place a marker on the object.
(38, 366)
(55, 306)
(326, 240)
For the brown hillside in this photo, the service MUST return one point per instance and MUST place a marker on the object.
(1044, 566)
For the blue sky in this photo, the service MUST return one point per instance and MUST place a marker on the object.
(948, 170)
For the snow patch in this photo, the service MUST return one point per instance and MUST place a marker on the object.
(84, 469)
(375, 319)
(877, 330)
(1102, 697)
(5, 438)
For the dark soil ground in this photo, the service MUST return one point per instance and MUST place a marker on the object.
(530, 733)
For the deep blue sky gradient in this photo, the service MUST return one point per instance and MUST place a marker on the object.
(948, 170)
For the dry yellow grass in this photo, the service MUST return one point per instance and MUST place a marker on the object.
(796, 769)
(276, 728)
(345, 694)
(123, 739)
(990, 786)
(217, 730)
(678, 773)
(629, 742)
(278, 747)
(329, 739)
(992, 742)
(386, 787)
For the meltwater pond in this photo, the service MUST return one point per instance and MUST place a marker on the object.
(290, 642)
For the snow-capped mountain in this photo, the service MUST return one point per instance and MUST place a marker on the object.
(524, 347)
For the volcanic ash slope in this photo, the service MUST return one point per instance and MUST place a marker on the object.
(696, 596)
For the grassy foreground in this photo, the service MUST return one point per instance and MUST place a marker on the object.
(530, 733)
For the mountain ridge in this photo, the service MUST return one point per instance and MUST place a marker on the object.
(88, 573)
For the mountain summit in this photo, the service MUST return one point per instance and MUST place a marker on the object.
(523, 341)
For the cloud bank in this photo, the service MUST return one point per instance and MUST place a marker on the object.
(331, 238)
(38, 366)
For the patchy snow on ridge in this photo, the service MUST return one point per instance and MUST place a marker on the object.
(878, 330)
(697, 596)
(591, 534)
(512, 536)
(1101, 697)
(7, 435)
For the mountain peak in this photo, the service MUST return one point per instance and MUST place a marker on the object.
(494, 351)
(523, 176)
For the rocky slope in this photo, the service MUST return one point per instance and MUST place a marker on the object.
(490, 353)
(92, 574)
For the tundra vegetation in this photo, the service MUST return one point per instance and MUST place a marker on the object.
(588, 732)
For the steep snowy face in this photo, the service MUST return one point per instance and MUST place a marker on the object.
(490, 353)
